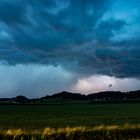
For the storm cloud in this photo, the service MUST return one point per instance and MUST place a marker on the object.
(84, 37)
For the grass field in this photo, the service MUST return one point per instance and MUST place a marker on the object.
(68, 115)
(82, 115)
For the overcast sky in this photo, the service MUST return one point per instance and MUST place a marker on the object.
(47, 46)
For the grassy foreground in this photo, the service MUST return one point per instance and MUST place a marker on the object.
(68, 115)
(77, 133)
(81, 121)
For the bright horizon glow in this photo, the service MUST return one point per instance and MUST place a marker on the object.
(41, 80)
(99, 83)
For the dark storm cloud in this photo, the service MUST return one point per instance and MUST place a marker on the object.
(12, 12)
(84, 36)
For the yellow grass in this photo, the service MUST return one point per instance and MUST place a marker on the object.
(126, 131)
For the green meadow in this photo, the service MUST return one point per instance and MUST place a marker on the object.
(81, 116)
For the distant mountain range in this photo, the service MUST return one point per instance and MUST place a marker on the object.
(67, 97)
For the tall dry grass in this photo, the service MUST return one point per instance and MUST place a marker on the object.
(76, 133)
